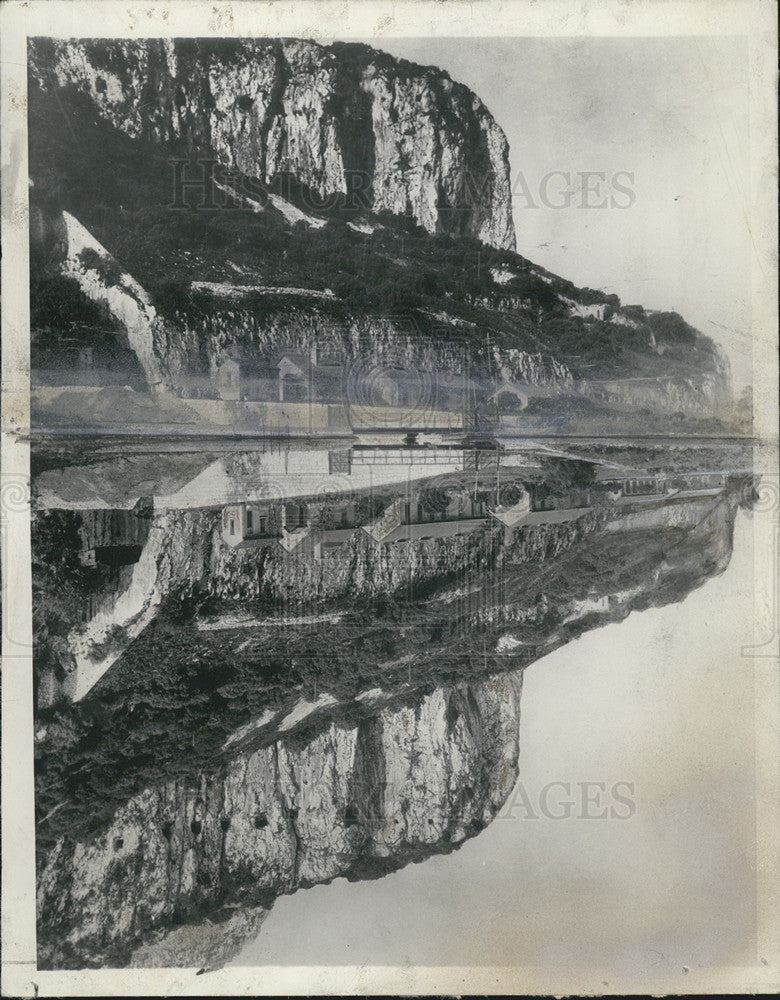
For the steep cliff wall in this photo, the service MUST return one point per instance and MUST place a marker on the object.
(193, 345)
(112, 527)
(174, 554)
(339, 118)
(306, 790)
(357, 147)
(360, 568)
(120, 295)
(356, 800)
(694, 394)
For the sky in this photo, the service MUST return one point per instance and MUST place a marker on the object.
(665, 118)
(649, 701)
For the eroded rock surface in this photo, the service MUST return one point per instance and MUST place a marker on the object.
(340, 119)
(356, 800)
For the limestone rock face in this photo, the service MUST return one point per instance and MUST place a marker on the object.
(355, 800)
(340, 119)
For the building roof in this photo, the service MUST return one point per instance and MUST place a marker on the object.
(304, 362)
(292, 539)
(336, 536)
(510, 516)
(293, 365)
(553, 516)
(609, 472)
(665, 499)
(433, 529)
(712, 491)
(388, 522)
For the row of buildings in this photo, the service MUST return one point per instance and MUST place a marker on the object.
(410, 517)
(311, 529)
(293, 525)
(326, 375)
(316, 527)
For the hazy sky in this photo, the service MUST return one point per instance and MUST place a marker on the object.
(651, 701)
(673, 112)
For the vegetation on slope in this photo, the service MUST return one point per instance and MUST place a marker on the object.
(178, 692)
(122, 189)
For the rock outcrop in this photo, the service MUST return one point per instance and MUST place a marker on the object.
(343, 119)
(186, 866)
(356, 800)
(322, 158)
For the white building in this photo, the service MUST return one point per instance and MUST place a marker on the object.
(243, 522)
(511, 516)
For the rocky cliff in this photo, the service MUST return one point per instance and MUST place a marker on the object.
(356, 801)
(205, 790)
(349, 201)
(343, 119)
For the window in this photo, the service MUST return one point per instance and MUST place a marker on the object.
(232, 526)
(249, 521)
(261, 526)
(339, 462)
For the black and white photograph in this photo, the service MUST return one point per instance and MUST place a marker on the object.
(390, 425)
